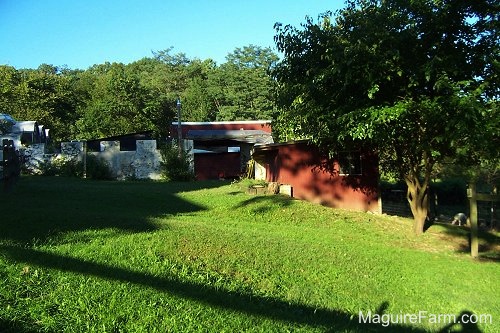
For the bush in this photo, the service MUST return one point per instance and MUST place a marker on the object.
(97, 168)
(173, 166)
(59, 166)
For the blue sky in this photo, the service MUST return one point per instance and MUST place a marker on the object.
(81, 33)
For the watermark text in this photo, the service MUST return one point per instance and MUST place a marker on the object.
(423, 317)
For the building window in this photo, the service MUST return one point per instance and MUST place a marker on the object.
(349, 163)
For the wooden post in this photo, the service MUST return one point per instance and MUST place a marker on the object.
(5, 158)
(493, 222)
(474, 244)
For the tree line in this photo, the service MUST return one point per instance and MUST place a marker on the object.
(115, 98)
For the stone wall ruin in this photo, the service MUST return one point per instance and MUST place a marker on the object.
(143, 163)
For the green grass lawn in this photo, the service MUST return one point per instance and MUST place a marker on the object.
(87, 256)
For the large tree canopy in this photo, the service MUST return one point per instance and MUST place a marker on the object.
(412, 79)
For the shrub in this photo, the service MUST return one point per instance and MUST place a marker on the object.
(97, 168)
(173, 166)
(58, 166)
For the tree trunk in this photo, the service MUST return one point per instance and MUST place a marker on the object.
(474, 242)
(418, 198)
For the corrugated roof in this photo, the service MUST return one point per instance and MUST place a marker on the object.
(232, 122)
(249, 136)
(7, 117)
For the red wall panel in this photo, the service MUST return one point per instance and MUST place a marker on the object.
(299, 164)
(217, 166)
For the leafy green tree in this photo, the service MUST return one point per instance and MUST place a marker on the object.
(9, 80)
(110, 99)
(165, 77)
(199, 101)
(44, 95)
(245, 87)
(175, 167)
(172, 76)
(479, 160)
(413, 80)
(117, 104)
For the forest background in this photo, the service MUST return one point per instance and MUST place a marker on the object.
(115, 98)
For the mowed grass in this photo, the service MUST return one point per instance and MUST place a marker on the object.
(87, 256)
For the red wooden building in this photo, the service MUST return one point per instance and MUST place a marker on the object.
(350, 180)
(222, 149)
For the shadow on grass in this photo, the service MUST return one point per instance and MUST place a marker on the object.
(489, 242)
(274, 309)
(42, 207)
(270, 308)
(264, 203)
(12, 326)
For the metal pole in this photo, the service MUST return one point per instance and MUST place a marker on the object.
(179, 129)
(84, 159)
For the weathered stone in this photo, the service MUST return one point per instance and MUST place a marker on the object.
(34, 157)
(72, 149)
(143, 163)
(146, 163)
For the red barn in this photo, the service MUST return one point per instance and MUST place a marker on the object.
(350, 180)
(190, 126)
(222, 149)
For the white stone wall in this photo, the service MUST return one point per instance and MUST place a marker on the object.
(73, 150)
(143, 163)
(188, 146)
(146, 160)
(34, 156)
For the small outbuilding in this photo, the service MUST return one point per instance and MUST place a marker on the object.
(22, 132)
(222, 149)
(348, 180)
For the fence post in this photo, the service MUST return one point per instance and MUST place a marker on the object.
(493, 221)
(474, 244)
(4, 165)
(10, 163)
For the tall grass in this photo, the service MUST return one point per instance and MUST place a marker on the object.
(86, 256)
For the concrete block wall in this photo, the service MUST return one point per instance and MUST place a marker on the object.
(146, 160)
(143, 163)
